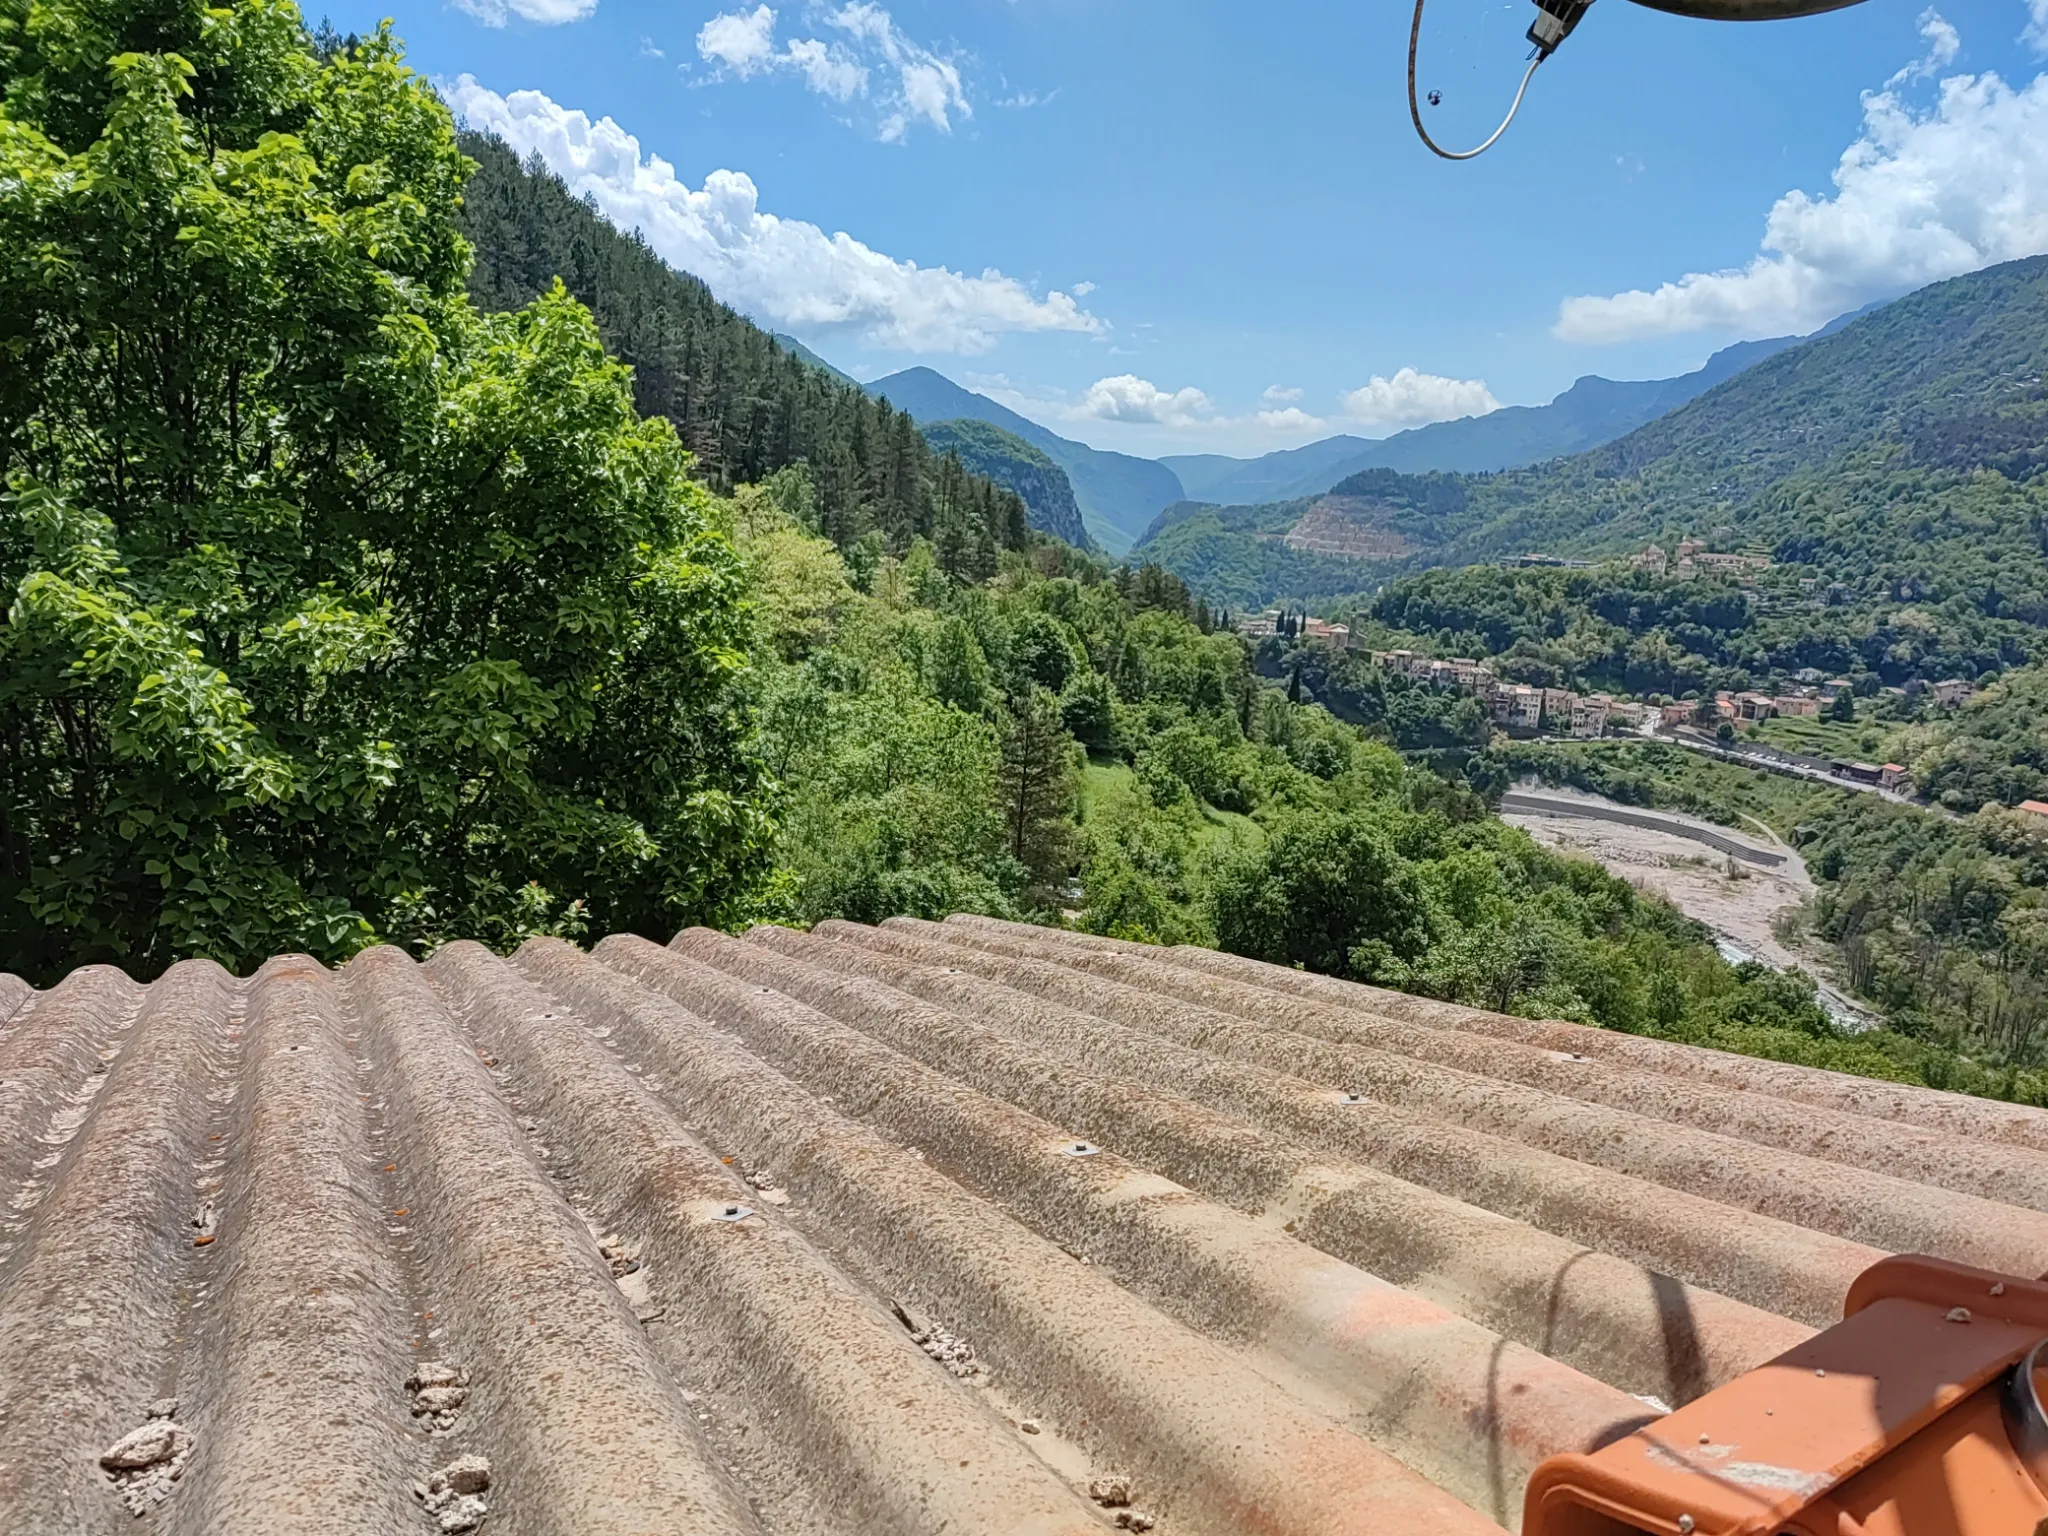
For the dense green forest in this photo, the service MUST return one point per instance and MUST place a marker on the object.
(1237, 557)
(1994, 750)
(1635, 632)
(739, 401)
(339, 608)
(1068, 740)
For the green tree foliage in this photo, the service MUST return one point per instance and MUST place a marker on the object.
(925, 745)
(1035, 784)
(1320, 890)
(743, 404)
(1994, 750)
(890, 807)
(1413, 717)
(339, 611)
(1637, 633)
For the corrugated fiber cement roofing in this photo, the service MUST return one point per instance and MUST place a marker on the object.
(954, 1227)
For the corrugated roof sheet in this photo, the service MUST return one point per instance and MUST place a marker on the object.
(963, 1227)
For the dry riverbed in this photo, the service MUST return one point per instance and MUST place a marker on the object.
(1740, 901)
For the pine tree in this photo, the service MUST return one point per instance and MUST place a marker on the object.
(1294, 685)
(1036, 781)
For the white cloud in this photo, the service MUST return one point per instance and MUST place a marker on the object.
(1291, 420)
(1126, 397)
(784, 271)
(2036, 34)
(1943, 41)
(1082, 290)
(542, 13)
(871, 58)
(1276, 395)
(826, 72)
(741, 41)
(929, 90)
(927, 86)
(1411, 399)
(1135, 415)
(649, 51)
(1922, 195)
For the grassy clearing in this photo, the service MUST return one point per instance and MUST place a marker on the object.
(1100, 778)
(1217, 825)
(1103, 777)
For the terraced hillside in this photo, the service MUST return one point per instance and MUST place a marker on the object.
(961, 1227)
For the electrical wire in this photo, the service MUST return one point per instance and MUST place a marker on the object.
(1415, 109)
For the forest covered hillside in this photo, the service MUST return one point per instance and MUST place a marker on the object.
(1898, 460)
(1007, 460)
(741, 401)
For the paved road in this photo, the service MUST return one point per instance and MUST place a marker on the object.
(1524, 803)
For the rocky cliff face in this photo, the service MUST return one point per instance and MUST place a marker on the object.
(1009, 461)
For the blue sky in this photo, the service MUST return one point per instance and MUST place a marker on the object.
(1182, 226)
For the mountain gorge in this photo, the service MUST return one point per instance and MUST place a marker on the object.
(1118, 493)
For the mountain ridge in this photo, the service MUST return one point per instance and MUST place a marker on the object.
(1898, 454)
(1594, 410)
(1119, 498)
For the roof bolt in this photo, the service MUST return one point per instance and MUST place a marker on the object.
(1818, 1371)
(1998, 1289)
(1685, 1525)
(1706, 1439)
(1081, 1149)
(1959, 1314)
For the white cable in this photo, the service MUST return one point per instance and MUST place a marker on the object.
(1415, 110)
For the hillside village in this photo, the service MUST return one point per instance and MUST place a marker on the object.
(1521, 709)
